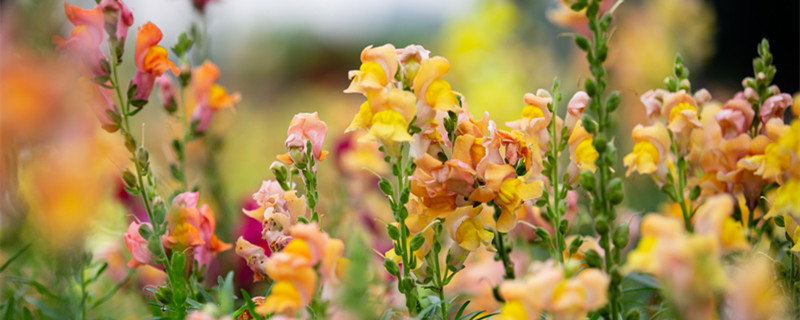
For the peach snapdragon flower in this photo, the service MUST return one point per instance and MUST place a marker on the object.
(681, 111)
(687, 265)
(561, 295)
(535, 117)
(582, 154)
(651, 153)
(577, 104)
(735, 117)
(431, 90)
(293, 269)
(87, 36)
(377, 70)
(254, 256)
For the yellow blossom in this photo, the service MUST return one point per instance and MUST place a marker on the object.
(581, 149)
(650, 151)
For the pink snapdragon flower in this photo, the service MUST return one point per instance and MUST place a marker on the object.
(118, 15)
(735, 117)
(307, 127)
(774, 106)
(575, 109)
(137, 245)
(167, 93)
(85, 39)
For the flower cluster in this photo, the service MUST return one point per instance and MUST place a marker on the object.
(696, 148)
(731, 169)
(457, 172)
(189, 229)
(301, 256)
(558, 293)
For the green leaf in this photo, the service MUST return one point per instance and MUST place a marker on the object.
(183, 45)
(461, 310)
(695, 193)
(14, 257)
(8, 314)
(101, 79)
(177, 278)
(250, 305)
(225, 293)
(132, 91)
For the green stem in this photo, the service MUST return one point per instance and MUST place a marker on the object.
(125, 106)
(499, 244)
(554, 144)
(679, 193)
(407, 256)
(83, 289)
(185, 128)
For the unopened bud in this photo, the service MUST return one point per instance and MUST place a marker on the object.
(129, 179)
(621, 236)
(456, 256)
(279, 170)
(587, 180)
(297, 155)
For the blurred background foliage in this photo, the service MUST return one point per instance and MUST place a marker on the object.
(287, 57)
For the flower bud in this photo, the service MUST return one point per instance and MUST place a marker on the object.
(615, 194)
(410, 70)
(456, 256)
(391, 267)
(575, 245)
(593, 259)
(601, 225)
(685, 84)
(298, 156)
(749, 82)
(129, 179)
(279, 170)
(621, 236)
(587, 180)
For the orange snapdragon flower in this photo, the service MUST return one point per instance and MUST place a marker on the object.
(205, 97)
(189, 227)
(151, 60)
